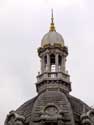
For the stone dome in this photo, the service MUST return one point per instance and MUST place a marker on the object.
(52, 104)
(70, 106)
(52, 37)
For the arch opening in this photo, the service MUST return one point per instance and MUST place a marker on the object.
(52, 63)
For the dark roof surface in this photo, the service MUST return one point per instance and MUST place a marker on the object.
(76, 104)
(26, 108)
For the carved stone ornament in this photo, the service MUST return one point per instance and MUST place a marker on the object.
(51, 110)
(88, 118)
(14, 119)
(90, 114)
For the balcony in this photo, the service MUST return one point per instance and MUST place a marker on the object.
(53, 76)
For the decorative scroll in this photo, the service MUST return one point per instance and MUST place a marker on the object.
(88, 118)
(14, 119)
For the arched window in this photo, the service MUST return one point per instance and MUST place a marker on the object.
(45, 59)
(52, 63)
(60, 60)
(52, 59)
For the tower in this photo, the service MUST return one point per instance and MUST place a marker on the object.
(53, 54)
(53, 104)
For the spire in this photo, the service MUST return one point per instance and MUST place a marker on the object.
(52, 27)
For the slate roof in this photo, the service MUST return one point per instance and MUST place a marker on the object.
(30, 107)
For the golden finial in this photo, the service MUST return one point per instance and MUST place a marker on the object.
(52, 27)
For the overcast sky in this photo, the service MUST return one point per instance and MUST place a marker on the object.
(22, 26)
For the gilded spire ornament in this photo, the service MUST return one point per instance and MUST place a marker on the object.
(52, 27)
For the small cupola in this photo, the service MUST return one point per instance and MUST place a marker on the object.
(52, 37)
(53, 54)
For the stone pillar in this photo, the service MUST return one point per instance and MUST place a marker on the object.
(63, 64)
(48, 63)
(42, 65)
(56, 62)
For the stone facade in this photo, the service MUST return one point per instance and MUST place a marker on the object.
(53, 105)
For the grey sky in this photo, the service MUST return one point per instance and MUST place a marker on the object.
(22, 25)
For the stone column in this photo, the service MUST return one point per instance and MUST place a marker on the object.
(63, 64)
(56, 62)
(48, 63)
(42, 65)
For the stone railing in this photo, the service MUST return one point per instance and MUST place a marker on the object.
(53, 76)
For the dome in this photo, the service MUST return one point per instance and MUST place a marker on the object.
(66, 104)
(52, 104)
(52, 37)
